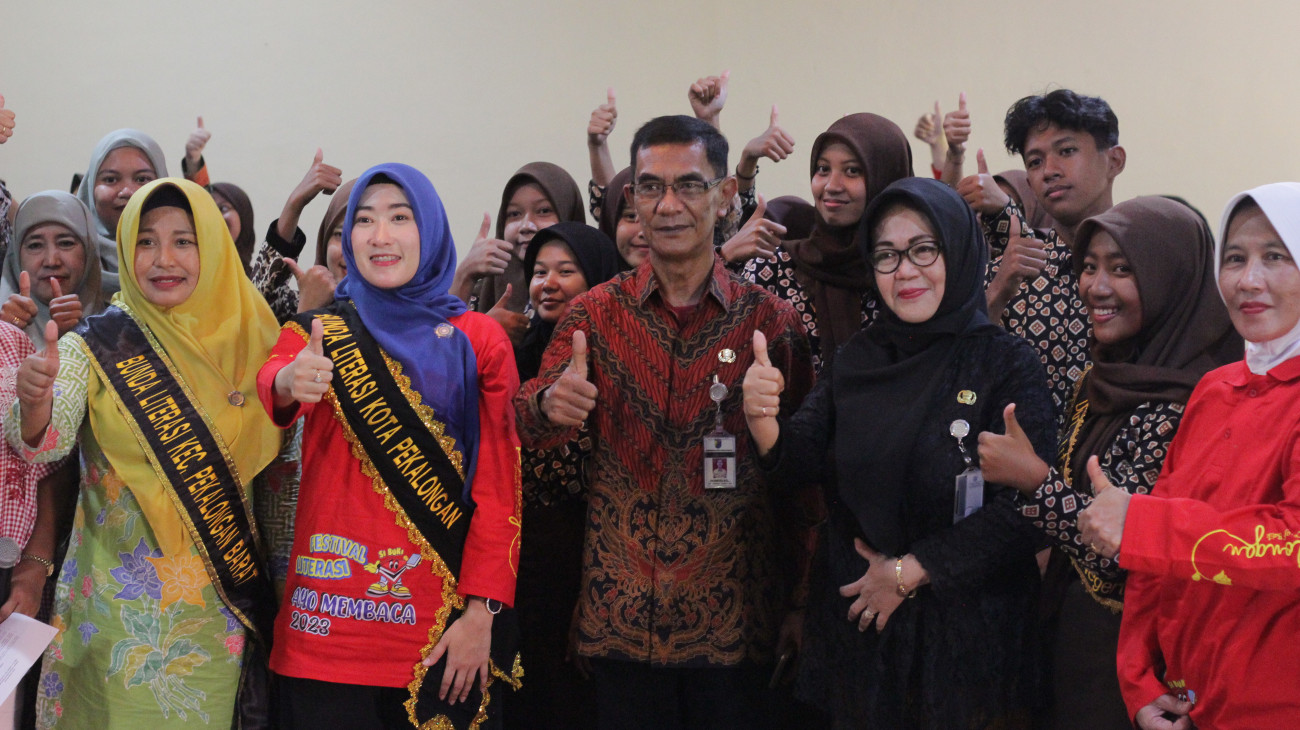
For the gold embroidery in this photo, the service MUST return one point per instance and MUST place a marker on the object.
(182, 512)
(450, 599)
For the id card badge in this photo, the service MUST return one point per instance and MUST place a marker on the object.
(968, 495)
(719, 461)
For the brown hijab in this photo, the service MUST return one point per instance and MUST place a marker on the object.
(1034, 211)
(560, 187)
(828, 263)
(1185, 327)
(333, 216)
(247, 240)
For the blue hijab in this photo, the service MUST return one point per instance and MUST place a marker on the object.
(443, 370)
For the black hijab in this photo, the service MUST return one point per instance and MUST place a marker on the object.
(885, 376)
(594, 253)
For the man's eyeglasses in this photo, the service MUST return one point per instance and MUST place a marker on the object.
(887, 260)
(653, 190)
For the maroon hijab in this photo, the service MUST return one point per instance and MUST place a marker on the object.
(828, 263)
(564, 194)
(1185, 327)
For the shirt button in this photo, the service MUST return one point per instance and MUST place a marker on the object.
(1227, 434)
(1253, 393)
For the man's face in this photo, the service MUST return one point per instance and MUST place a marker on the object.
(679, 227)
(1070, 176)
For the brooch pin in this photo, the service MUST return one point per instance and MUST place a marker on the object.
(727, 356)
(443, 330)
(966, 397)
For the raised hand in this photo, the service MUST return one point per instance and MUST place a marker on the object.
(980, 190)
(198, 139)
(65, 309)
(488, 256)
(774, 143)
(570, 399)
(315, 285)
(929, 127)
(761, 401)
(20, 309)
(1024, 259)
(757, 238)
(602, 121)
(708, 95)
(1010, 459)
(307, 378)
(1102, 523)
(6, 121)
(35, 385)
(514, 323)
(320, 178)
(956, 125)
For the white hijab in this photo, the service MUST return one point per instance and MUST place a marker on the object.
(1281, 205)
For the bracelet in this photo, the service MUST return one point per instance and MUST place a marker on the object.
(49, 564)
(902, 589)
(742, 177)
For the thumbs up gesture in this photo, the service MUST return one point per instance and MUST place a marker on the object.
(981, 191)
(35, 385)
(758, 237)
(774, 143)
(1010, 459)
(6, 122)
(65, 309)
(514, 323)
(320, 178)
(929, 127)
(570, 399)
(315, 285)
(708, 95)
(20, 309)
(1102, 523)
(956, 125)
(488, 256)
(307, 378)
(602, 121)
(198, 140)
(761, 392)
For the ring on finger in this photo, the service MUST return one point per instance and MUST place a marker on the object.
(317, 378)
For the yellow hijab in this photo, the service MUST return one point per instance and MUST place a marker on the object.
(216, 340)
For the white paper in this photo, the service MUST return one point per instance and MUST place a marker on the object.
(22, 641)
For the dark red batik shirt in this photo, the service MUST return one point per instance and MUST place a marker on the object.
(673, 575)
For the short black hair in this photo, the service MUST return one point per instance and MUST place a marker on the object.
(681, 129)
(1065, 109)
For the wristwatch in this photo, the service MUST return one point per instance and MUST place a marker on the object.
(493, 606)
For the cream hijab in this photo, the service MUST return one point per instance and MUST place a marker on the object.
(107, 238)
(54, 206)
(1281, 205)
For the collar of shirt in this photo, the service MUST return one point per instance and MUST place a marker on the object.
(1286, 372)
(645, 283)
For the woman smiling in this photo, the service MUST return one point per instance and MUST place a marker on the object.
(898, 410)
(159, 623)
(1211, 604)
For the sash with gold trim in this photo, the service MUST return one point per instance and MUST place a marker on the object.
(414, 465)
(198, 474)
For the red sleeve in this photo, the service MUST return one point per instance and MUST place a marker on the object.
(286, 349)
(1252, 546)
(1139, 661)
(491, 561)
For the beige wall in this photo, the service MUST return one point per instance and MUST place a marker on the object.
(469, 91)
